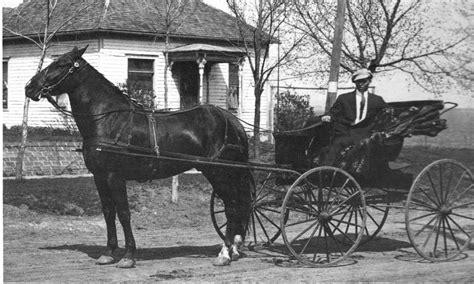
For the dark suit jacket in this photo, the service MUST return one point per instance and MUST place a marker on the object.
(344, 111)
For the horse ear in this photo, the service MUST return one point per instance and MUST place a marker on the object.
(81, 51)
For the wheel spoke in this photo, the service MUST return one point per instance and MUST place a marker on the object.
(342, 218)
(309, 240)
(326, 243)
(345, 201)
(462, 193)
(305, 230)
(268, 219)
(448, 184)
(440, 170)
(434, 188)
(219, 211)
(460, 228)
(462, 216)
(334, 237)
(300, 210)
(422, 216)
(433, 228)
(464, 174)
(426, 194)
(269, 209)
(425, 226)
(346, 236)
(444, 238)
(319, 236)
(453, 237)
(263, 227)
(310, 206)
(438, 228)
(222, 226)
(301, 222)
(422, 204)
(254, 228)
(350, 218)
(462, 205)
(349, 223)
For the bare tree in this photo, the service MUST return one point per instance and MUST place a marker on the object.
(387, 35)
(259, 23)
(167, 17)
(43, 40)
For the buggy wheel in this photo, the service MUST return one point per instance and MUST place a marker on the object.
(327, 215)
(264, 227)
(439, 215)
(377, 214)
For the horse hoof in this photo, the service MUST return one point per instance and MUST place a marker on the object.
(105, 259)
(238, 241)
(126, 263)
(221, 261)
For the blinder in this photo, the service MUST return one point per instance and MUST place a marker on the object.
(45, 91)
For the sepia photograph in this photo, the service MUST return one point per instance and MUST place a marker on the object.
(224, 141)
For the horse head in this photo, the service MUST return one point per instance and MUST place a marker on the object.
(51, 81)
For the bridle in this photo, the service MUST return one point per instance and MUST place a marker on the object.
(45, 92)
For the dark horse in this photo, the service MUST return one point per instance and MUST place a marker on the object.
(121, 140)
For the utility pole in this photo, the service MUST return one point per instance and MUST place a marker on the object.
(336, 54)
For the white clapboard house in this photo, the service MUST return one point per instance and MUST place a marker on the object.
(126, 42)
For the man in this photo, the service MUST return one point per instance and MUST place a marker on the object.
(353, 115)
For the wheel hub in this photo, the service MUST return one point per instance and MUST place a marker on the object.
(445, 210)
(324, 217)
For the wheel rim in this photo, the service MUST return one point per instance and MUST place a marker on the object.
(264, 227)
(323, 228)
(438, 221)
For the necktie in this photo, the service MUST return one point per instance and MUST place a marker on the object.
(362, 105)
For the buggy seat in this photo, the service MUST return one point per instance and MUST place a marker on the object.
(368, 159)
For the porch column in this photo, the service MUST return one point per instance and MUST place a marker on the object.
(202, 63)
(241, 86)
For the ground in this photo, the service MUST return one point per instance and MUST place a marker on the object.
(53, 231)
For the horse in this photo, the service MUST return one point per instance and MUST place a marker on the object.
(124, 141)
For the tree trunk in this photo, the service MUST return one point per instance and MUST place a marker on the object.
(24, 126)
(256, 121)
(166, 72)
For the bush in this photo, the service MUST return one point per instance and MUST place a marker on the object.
(13, 134)
(291, 111)
(142, 94)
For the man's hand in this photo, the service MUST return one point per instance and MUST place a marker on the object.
(326, 118)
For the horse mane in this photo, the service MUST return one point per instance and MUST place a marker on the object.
(121, 93)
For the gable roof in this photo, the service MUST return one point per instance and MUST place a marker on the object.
(144, 17)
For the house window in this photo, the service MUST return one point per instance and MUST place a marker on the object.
(140, 80)
(5, 84)
(140, 73)
(233, 91)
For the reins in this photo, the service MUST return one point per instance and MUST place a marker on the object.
(46, 93)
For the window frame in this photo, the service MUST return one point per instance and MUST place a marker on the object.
(5, 101)
(144, 72)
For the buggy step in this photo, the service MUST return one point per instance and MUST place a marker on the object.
(398, 165)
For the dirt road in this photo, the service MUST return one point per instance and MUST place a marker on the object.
(64, 248)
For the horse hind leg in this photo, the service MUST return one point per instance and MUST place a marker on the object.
(234, 189)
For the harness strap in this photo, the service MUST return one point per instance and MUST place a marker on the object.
(152, 127)
(130, 124)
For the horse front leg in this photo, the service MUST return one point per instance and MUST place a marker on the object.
(118, 190)
(108, 209)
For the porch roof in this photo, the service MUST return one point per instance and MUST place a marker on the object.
(197, 51)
